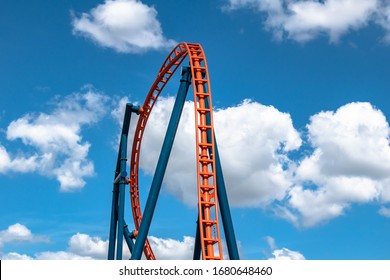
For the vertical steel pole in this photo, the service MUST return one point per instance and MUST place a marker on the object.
(151, 202)
(198, 246)
(121, 203)
(113, 223)
(223, 200)
(118, 198)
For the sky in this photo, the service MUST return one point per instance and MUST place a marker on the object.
(301, 106)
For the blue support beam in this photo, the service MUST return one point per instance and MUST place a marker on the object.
(197, 246)
(151, 202)
(117, 224)
(121, 202)
(113, 223)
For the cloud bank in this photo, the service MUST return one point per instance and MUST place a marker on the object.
(266, 164)
(85, 247)
(303, 21)
(127, 26)
(253, 144)
(348, 162)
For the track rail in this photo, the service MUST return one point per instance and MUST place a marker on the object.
(206, 177)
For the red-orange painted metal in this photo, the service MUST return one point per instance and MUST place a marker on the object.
(206, 182)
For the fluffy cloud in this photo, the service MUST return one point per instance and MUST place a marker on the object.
(14, 256)
(170, 249)
(286, 254)
(350, 164)
(253, 144)
(127, 26)
(334, 17)
(84, 247)
(282, 254)
(54, 145)
(80, 247)
(305, 20)
(17, 233)
(18, 163)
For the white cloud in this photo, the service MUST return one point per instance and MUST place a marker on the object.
(14, 256)
(53, 141)
(18, 163)
(334, 17)
(384, 212)
(304, 20)
(253, 151)
(127, 26)
(253, 141)
(358, 131)
(171, 249)
(85, 247)
(350, 164)
(282, 254)
(80, 247)
(17, 233)
(286, 254)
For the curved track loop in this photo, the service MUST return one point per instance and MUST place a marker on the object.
(207, 189)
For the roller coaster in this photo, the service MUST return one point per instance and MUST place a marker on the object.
(212, 197)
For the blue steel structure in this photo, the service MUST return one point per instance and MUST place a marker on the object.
(119, 229)
(118, 226)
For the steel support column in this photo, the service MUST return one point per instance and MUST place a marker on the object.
(197, 246)
(117, 223)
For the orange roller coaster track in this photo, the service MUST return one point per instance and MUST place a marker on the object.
(208, 230)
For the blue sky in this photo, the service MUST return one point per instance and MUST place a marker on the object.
(300, 92)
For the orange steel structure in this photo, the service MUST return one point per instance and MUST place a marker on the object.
(209, 172)
(207, 191)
